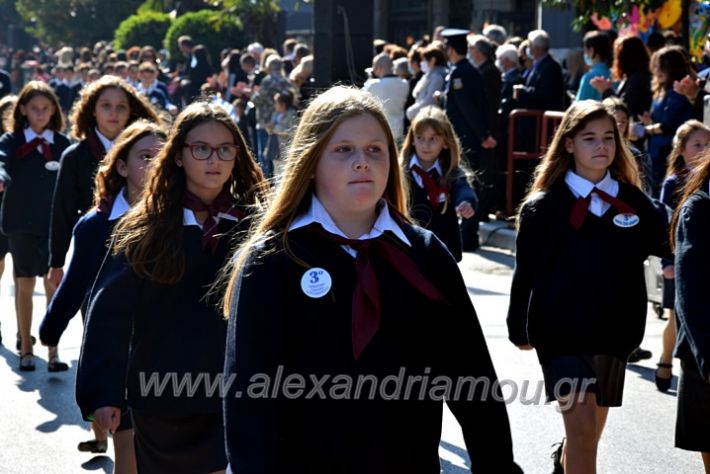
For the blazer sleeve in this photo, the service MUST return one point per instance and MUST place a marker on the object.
(461, 190)
(255, 340)
(529, 229)
(65, 211)
(692, 267)
(466, 357)
(103, 363)
(7, 151)
(72, 292)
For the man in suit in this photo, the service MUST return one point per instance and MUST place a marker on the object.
(466, 107)
(544, 86)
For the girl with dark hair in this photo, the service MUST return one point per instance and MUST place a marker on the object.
(118, 185)
(29, 160)
(151, 309)
(104, 109)
(584, 232)
(358, 287)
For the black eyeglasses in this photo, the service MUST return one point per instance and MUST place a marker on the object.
(202, 151)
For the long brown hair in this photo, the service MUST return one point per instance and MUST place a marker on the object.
(675, 63)
(558, 160)
(320, 120)
(696, 180)
(82, 115)
(32, 89)
(676, 162)
(150, 234)
(108, 182)
(6, 106)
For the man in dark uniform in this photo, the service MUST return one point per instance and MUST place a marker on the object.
(466, 107)
(5, 84)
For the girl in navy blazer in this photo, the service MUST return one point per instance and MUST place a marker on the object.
(692, 272)
(584, 233)
(119, 183)
(152, 314)
(105, 108)
(6, 105)
(439, 191)
(336, 285)
(689, 142)
(29, 160)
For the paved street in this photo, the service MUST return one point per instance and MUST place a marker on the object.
(41, 424)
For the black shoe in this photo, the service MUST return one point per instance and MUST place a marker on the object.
(27, 362)
(639, 354)
(56, 365)
(557, 457)
(18, 345)
(662, 383)
(93, 446)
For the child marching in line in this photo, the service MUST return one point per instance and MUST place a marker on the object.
(439, 191)
(6, 105)
(104, 109)
(335, 282)
(150, 311)
(584, 232)
(29, 154)
(119, 183)
(691, 241)
(690, 141)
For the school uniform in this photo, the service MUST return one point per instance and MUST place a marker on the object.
(74, 191)
(26, 206)
(294, 311)
(671, 192)
(91, 240)
(692, 267)
(438, 214)
(137, 329)
(578, 294)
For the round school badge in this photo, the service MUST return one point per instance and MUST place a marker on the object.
(626, 220)
(316, 282)
(52, 165)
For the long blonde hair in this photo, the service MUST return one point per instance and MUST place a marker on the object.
(319, 122)
(676, 162)
(696, 180)
(558, 160)
(150, 234)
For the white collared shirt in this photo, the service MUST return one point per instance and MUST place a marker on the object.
(319, 214)
(581, 188)
(188, 217)
(417, 178)
(108, 144)
(120, 205)
(31, 135)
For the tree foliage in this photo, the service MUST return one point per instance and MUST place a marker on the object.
(213, 29)
(142, 29)
(74, 22)
(259, 17)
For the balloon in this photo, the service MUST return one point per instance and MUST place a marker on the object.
(669, 13)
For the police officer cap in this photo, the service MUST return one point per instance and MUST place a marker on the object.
(455, 37)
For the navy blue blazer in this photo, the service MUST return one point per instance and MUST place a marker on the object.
(544, 87)
(692, 273)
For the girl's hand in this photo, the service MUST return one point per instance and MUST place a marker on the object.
(525, 347)
(108, 418)
(55, 276)
(601, 84)
(669, 272)
(465, 210)
(489, 143)
(687, 87)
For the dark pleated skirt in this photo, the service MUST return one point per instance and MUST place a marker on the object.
(179, 444)
(692, 427)
(600, 374)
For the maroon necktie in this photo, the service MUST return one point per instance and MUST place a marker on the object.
(581, 207)
(366, 308)
(95, 146)
(224, 203)
(433, 189)
(27, 148)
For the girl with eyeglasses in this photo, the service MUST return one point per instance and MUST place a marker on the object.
(439, 190)
(152, 312)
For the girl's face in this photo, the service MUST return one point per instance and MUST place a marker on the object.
(137, 161)
(351, 174)
(695, 144)
(593, 148)
(622, 121)
(279, 106)
(660, 74)
(112, 112)
(428, 145)
(205, 178)
(39, 111)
